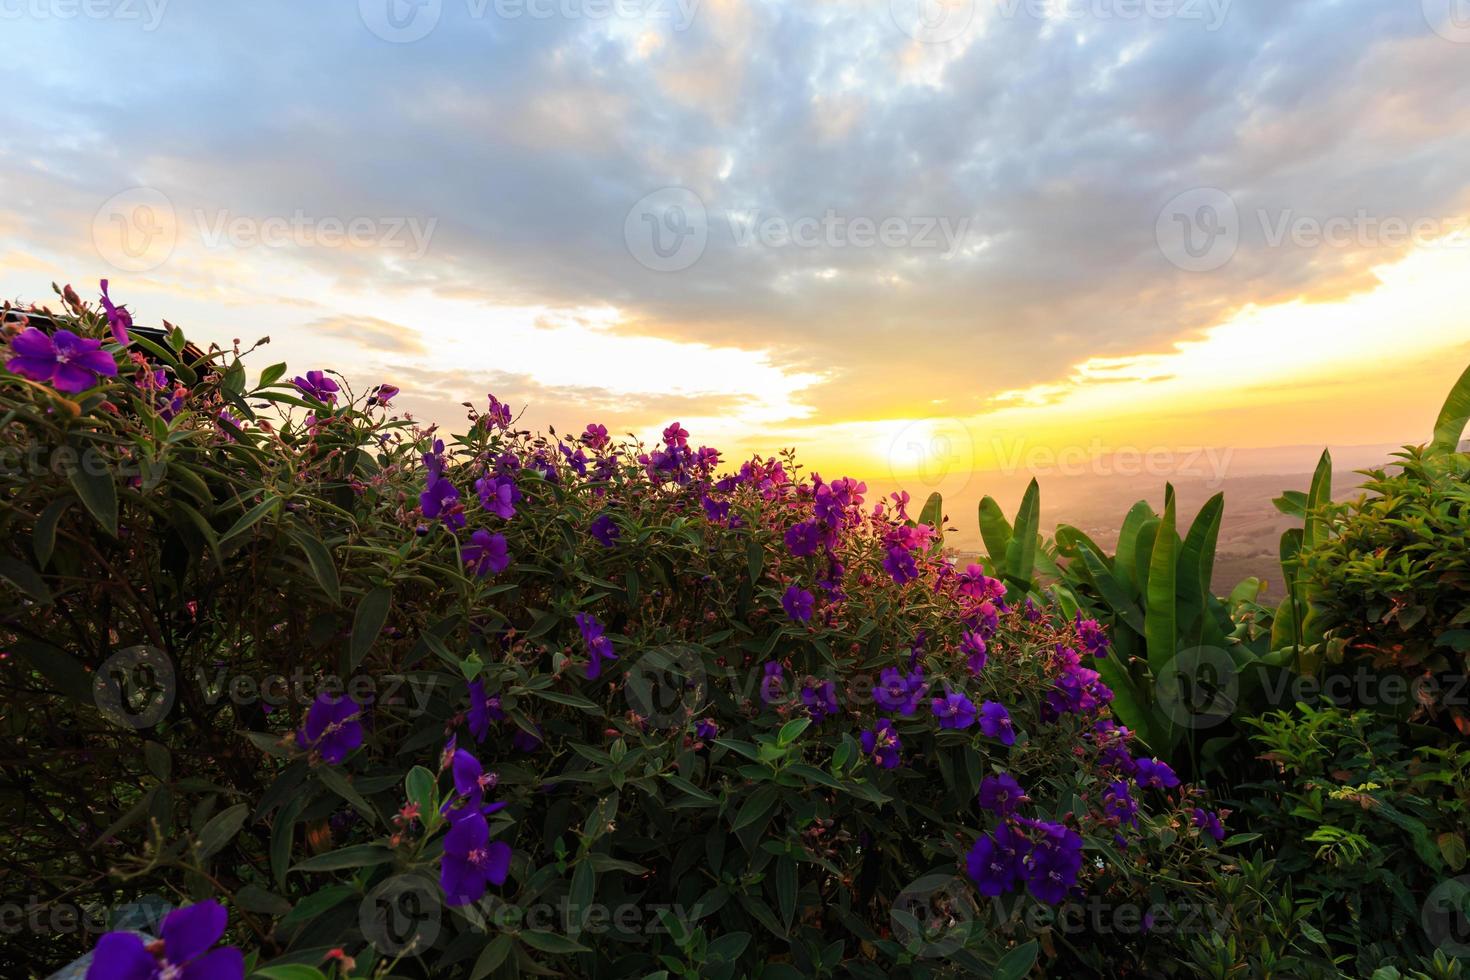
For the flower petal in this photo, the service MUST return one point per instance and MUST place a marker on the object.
(497, 862)
(121, 956)
(187, 932)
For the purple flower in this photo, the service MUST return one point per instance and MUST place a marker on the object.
(605, 530)
(798, 603)
(994, 863)
(995, 721)
(900, 564)
(471, 782)
(118, 318)
(899, 693)
(820, 701)
(440, 499)
(1209, 823)
(483, 709)
(318, 386)
(676, 436)
(773, 683)
(183, 953)
(524, 741)
(498, 494)
(1119, 804)
(706, 728)
(954, 710)
(384, 394)
(471, 862)
(1094, 638)
(1001, 794)
(595, 436)
(70, 363)
(485, 552)
(881, 743)
(803, 539)
(1051, 867)
(497, 415)
(332, 728)
(599, 647)
(1151, 773)
(973, 644)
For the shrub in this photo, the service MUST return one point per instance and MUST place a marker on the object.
(586, 707)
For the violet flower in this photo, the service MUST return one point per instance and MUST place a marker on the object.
(68, 362)
(882, 744)
(471, 862)
(332, 728)
(599, 647)
(182, 953)
(798, 603)
(485, 552)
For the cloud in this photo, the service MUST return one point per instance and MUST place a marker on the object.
(372, 333)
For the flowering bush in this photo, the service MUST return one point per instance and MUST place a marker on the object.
(399, 701)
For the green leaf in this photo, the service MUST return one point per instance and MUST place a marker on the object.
(1159, 622)
(1126, 559)
(1021, 549)
(493, 955)
(1017, 963)
(1450, 424)
(43, 536)
(272, 374)
(792, 730)
(933, 515)
(25, 578)
(222, 829)
(756, 807)
(337, 783)
(251, 517)
(322, 565)
(420, 787)
(755, 558)
(552, 942)
(367, 622)
(356, 856)
(1197, 559)
(995, 530)
(98, 493)
(288, 971)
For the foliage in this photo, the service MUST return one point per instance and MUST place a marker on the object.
(599, 709)
(1366, 827)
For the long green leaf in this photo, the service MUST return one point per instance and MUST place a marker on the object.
(1123, 561)
(98, 493)
(367, 623)
(1453, 416)
(933, 515)
(1021, 550)
(995, 531)
(1197, 561)
(1160, 619)
(322, 565)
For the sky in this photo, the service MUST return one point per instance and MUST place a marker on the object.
(911, 239)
